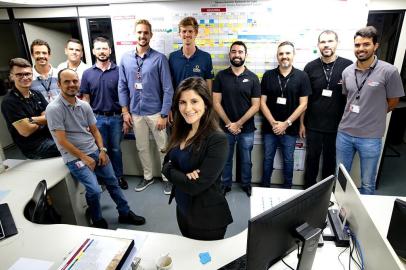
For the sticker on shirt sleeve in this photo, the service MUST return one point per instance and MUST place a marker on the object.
(138, 86)
(327, 93)
(354, 108)
(281, 100)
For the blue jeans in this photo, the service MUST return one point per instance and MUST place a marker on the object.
(110, 128)
(245, 143)
(287, 145)
(89, 179)
(369, 151)
(46, 149)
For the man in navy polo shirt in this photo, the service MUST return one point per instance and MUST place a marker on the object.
(99, 88)
(189, 61)
(236, 94)
(145, 93)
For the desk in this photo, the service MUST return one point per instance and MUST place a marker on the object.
(56, 241)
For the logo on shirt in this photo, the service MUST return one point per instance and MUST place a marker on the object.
(373, 84)
(196, 69)
(245, 80)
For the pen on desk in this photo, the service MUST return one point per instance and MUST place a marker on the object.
(72, 258)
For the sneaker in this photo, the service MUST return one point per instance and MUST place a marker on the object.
(167, 188)
(102, 224)
(144, 184)
(131, 218)
(247, 190)
(225, 190)
(122, 183)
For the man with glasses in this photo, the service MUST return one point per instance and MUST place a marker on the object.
(24, 112)
(145, 93)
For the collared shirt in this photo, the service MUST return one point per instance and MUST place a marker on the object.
(382, 83)
(74, 120)
(79, 69)
(157, 91)
(102, 86)
(16, 107)
(237, 92)
(297, 85)
(199, 64)
(323, 113)
(48, 86)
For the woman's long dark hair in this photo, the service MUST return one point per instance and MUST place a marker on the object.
(208, 121)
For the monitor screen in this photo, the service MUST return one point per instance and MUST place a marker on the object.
(271, 235)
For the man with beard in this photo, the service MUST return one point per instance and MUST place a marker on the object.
(145, 95)
(99, 87)
(373, 88)
(190, 61)
(73, 127)
(324, 109)
(45, 76)
(284, 92)
(74, 53)
(236, 94)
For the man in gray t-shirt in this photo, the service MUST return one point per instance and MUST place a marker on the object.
(373, 88)
(73, 127)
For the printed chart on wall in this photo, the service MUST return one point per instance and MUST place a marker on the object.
(262, 25)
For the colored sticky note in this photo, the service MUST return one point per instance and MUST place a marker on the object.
(204, 257)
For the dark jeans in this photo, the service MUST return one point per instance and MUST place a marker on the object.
(197, 233)
(46, 149)
(317, 143)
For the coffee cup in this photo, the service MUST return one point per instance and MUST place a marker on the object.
(164, 262)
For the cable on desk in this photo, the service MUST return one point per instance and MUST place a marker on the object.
(340, 259)
(287, 264)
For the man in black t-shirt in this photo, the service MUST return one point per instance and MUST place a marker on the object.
(236, 94)
(284, 92)
(24, 112)
(324, 109)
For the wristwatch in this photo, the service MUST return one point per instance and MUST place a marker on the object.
(31, 120)
(289, 122)
(103, 149)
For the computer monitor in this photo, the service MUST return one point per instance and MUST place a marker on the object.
(272, 234)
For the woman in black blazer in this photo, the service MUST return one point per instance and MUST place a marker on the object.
(196, 155)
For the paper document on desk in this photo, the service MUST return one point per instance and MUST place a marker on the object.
(99, 253)
(32, 264)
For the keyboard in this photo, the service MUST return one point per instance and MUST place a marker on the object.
(238, 264)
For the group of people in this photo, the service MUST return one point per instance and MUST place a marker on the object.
(337, 105)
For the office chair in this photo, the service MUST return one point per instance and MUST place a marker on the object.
(39, 209)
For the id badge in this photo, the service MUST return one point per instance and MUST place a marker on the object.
(354, 108)
(79, 164)
(327, 93)
(138, 86)
(281, 100)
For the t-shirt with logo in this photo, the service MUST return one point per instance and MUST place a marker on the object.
(382, 81)
(237, 92)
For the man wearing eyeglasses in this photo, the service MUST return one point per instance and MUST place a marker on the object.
(145, 93)
(24, 112)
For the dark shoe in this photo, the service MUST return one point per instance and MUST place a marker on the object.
(102, 224)
(123, 184)
(225, 189)
(144, 184)
(247, 190)
(131, 218)
(167, 188)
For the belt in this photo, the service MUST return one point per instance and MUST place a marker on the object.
(107, 113)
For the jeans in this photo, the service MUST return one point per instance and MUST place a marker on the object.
(369, 151)
(89, 179)
(245, 143)
(318, 142)
(287, 145)
(110, 128)
(46, 149)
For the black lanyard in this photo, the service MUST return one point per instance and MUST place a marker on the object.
(49, 80)
(359, 87)
(280, 84)
(328, 76)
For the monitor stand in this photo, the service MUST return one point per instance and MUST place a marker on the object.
(309, 237)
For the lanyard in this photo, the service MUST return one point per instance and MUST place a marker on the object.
(328, 76)
(140, 63)
(280, 84)
(49, 80)
(359, 87)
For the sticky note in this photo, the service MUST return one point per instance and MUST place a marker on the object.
(204, 257)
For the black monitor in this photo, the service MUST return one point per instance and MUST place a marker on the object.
(274, 233)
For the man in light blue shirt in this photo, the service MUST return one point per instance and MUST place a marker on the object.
(145, 95)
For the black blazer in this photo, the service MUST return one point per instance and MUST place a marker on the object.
(209, 209)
